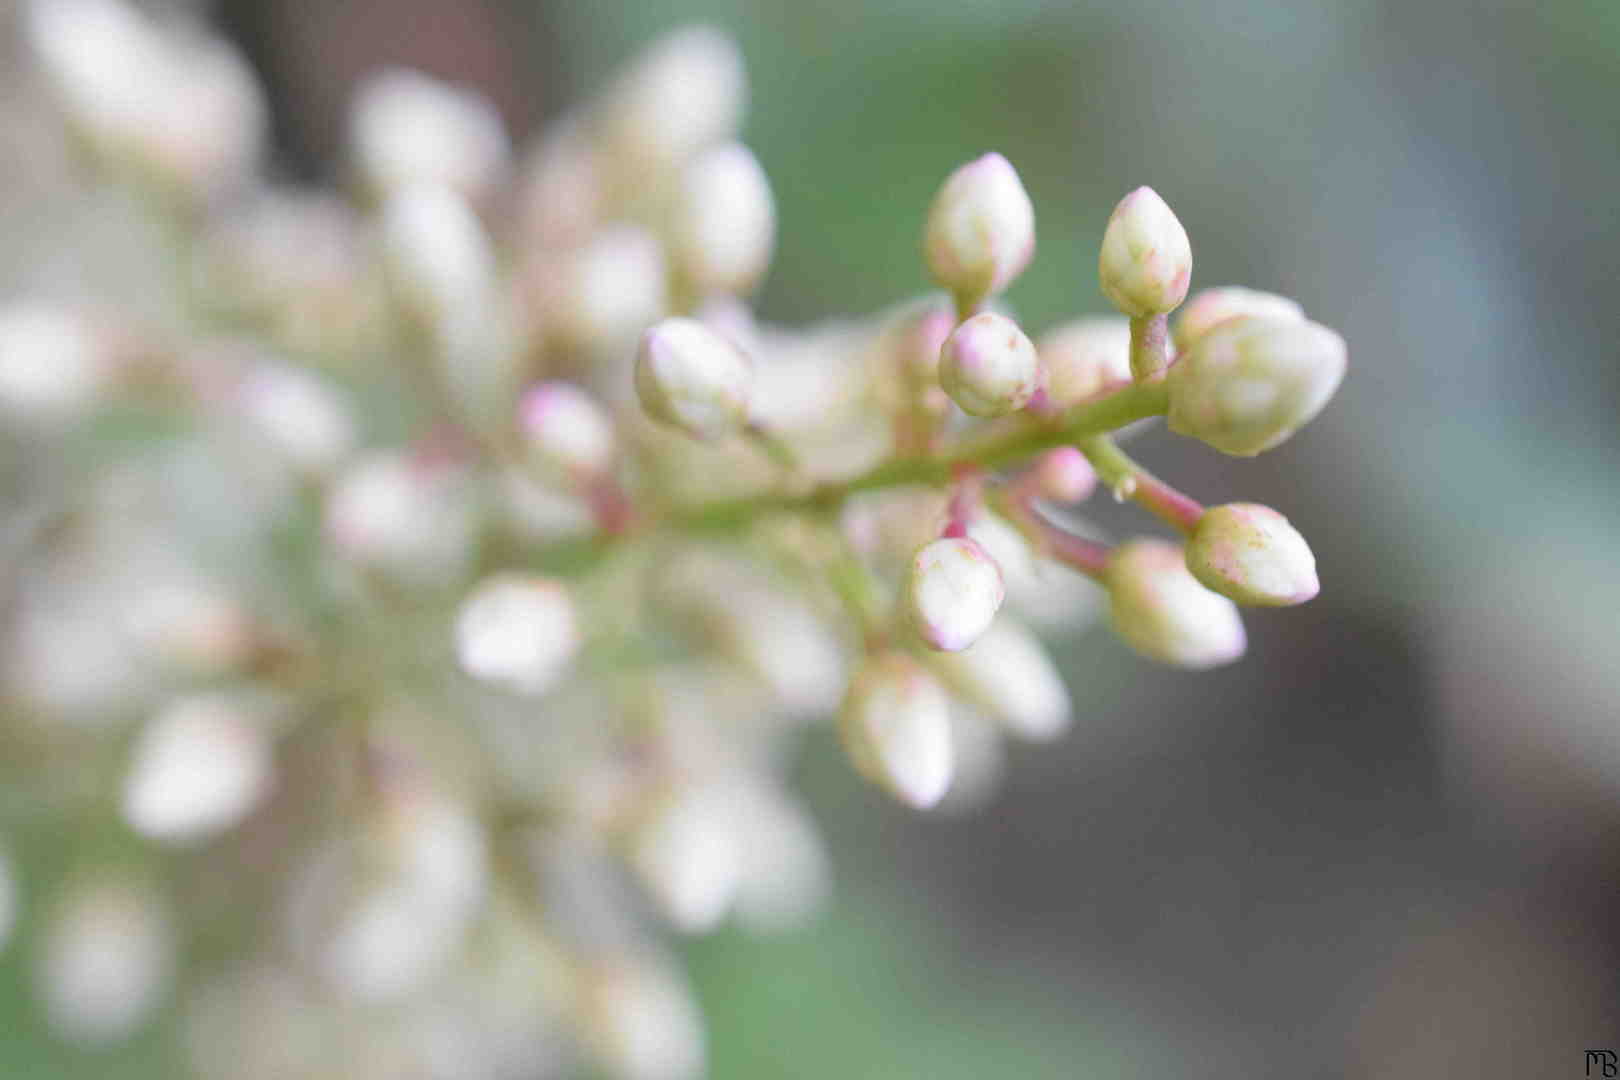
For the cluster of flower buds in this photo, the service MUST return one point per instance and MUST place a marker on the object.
(472, 558)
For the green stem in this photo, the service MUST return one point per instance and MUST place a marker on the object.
(998, 446)
(1129, 480)
(1150, 346)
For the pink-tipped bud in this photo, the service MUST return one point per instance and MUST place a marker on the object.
(1146, 259)
(1211, 307)
(896, 727)
(1250, 554)
(1063, 475)
(1083, 359)
(692, 378)
(989, 366)
(1251, 382)
(567, 432)
(724, 223)
(1162, 612)
(517, 632)
(953, 591)
(981, 228)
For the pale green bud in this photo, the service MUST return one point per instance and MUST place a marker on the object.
(989, 367)
(895, 725)
(1210, 307)
(1251, 382)
(692, 378)
(953, 591)
(1146, 259)
(1162, 612)
(1083, 359)
(1250, 554)
(981, 228)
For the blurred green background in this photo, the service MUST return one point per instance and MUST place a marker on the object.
(1386, 843)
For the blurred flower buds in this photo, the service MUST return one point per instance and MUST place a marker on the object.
(692, 378)
(1083, 359)
(567, 433)
(687, 853)
(1162, 611)
(1251, 382)
(1063, 475)
(517, 632)
(989, 366)
(105, 960)
(52, 366)
(1009, 675)
(723, 225)
(298, 415)
(412, 520)
(408, 129)
(896, 727)
(1251, 555)
(1146, 260)
(200, 766)
(641, 1022)
(684, 93)
(952, 593)
(981, 229)
(1210, 307)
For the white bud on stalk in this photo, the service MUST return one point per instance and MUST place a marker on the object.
(692, 378)
(1162, 611)
(1250, 554)
(1146, 260)
(952, 592)
(895, 725)
(980, 233)
(989, 367)
(1251, 382)
(517, 632)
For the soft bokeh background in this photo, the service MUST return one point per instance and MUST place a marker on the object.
(1385, 843)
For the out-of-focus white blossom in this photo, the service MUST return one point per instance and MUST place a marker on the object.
(688, 855)
(602, 293)
(1083, 359)
(1162, 611)
(685, 92)
(517, 632)
(1009, 674)
(411, 519)
(410, 129)
(690, 377)
(895, 724)
(641, 1022)
(104, 959)
(1252, 555)
(981, 228)
(724, 222)
(567, 433)
(52, 365)
(200, 766)
(298, 415)
(1211, 307)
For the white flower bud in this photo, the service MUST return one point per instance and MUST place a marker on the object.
(1210, 307)
(106, 956)
(685, 92)
(1063, 475)
(566, 431)
(1250, 554)
(895, 725)
(102, 59)
(209, 134)
(1008, 673)
(989, 366)
(412, 519)
(438, 253)
(1083, 359)
(688, 856)
(784, 867)
(52, 366)
(199, 768)
(1251, 382)
(299, 415)
(642, 1023)
(723, 226)
(1146, 259)
(518, 632)
(603, 293)
(981, 228)
(953, 591)
(1162, 611)
(692, 378)
(409, 129)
